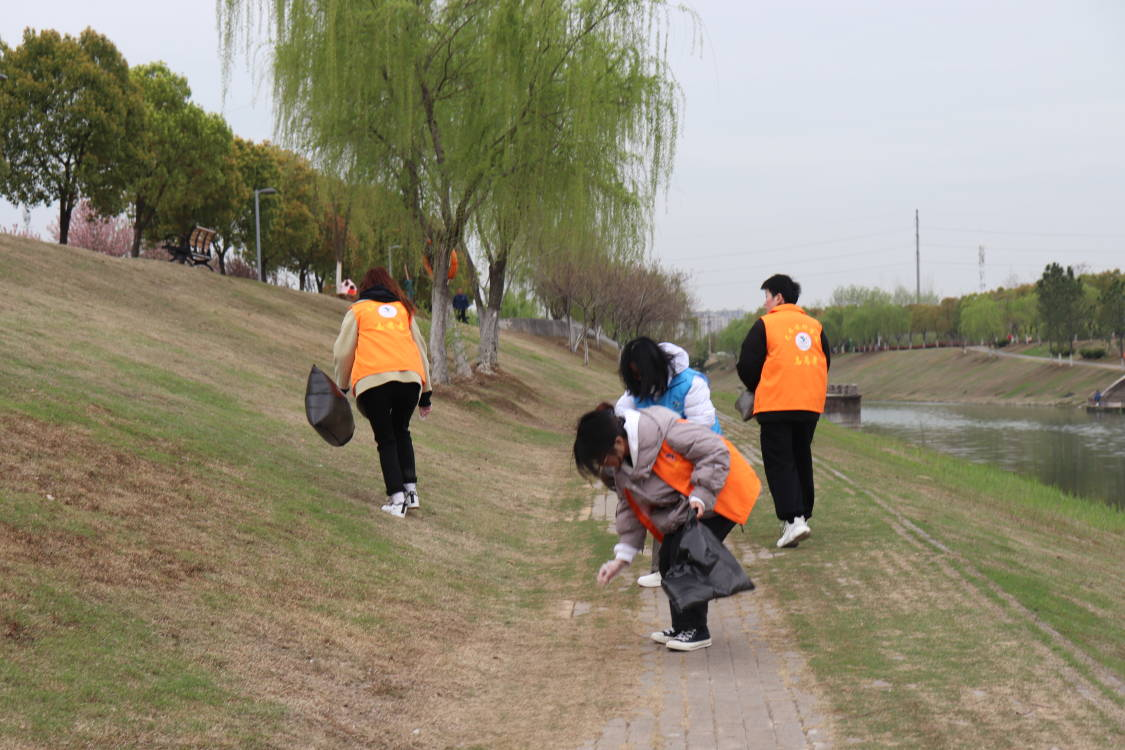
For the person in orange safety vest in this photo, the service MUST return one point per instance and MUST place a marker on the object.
(665, 469)
(381, 356)
(784, 362)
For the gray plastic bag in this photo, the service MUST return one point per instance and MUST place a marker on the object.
(327, 408)
(745, 405)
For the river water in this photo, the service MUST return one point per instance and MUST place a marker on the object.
(1082, 453)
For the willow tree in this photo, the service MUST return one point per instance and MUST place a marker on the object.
(447, 103)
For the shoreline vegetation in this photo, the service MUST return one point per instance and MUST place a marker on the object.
(183, 563)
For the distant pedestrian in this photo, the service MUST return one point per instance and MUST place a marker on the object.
(461, 306)
(407, 283)
(784, 361)
(660, 375)
(380, 354)
(665, 470)
(1097, 397)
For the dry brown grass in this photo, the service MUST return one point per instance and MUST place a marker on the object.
(156, 469)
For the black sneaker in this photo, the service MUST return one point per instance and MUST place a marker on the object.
(690, 640)
(663, 636)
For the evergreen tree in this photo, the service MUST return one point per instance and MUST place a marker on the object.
(1060, 297)
(184, 152)
(1112, 306)
(69, 121)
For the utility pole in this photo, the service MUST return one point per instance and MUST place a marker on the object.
(917, 263)
(980, 262)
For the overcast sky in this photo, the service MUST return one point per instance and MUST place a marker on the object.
(812, 130)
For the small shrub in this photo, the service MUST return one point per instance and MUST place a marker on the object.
(1092, 353)
(237, 267)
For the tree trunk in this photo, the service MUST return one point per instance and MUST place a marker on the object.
(490, 315)
(221, 251)
(66, 208)
(460, 358)
(138, 227)
(439, 301)
(489, 340)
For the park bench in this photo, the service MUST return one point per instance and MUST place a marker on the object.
(196, 251)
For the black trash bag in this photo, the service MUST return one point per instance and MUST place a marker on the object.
(701, 568)
(328, 409)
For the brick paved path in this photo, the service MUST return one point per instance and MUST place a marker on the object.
(743, 692)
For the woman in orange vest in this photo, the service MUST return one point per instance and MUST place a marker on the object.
(381, 356)
(665, 469)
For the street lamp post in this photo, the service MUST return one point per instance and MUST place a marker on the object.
(258, 228)
(390, 266)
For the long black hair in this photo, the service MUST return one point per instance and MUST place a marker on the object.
(645, 368)
(594, 438)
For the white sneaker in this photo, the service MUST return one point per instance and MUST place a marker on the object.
(411, 490)
(396, 505)
(793, 532)
(650, 581)
(663, 636)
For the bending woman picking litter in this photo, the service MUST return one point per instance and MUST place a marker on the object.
(665, 470)
(660, 375)
(381, 356)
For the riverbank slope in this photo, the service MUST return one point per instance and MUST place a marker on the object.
(184, 563)
(953, 375)
(942, 603)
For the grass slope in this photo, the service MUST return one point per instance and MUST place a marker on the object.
(183, 562)
(948, 604)
(953, 375)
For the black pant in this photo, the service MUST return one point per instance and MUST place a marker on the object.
(462, 314)
(691, 618)
(787, 456)
(388, 407)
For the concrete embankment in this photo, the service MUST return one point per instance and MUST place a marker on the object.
(968, 376)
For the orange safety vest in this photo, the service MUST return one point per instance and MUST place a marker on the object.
(795, 374)
(734, 501)
(385, 342)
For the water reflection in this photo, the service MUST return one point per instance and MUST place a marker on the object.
(1079, 452)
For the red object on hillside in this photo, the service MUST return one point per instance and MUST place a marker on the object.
(426, 264)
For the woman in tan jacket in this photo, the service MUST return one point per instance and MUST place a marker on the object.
(381, 356)
(664, 469)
